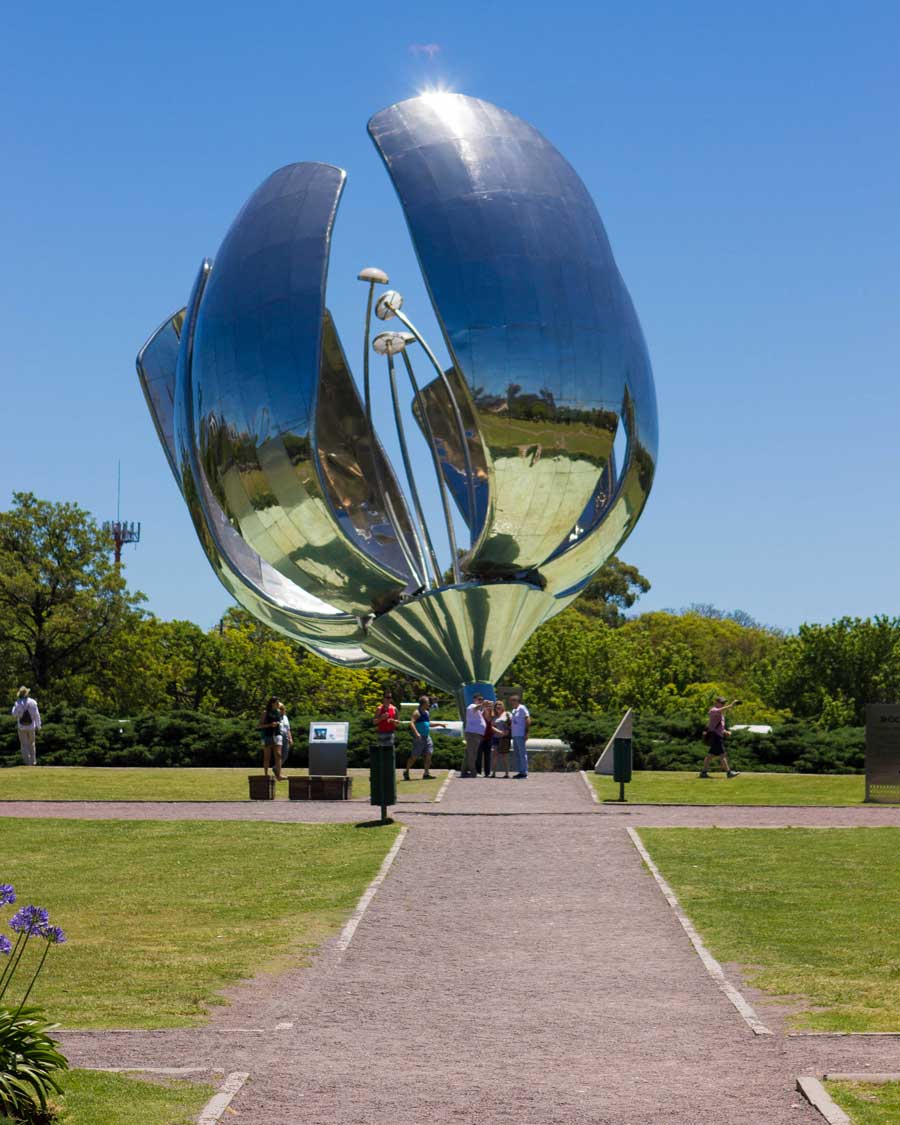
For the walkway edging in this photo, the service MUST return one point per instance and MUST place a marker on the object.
(819, 1098)
(712, 966)
(591, 789)
(368, 894)
(443, 789)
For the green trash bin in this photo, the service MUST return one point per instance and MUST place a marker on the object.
(383, 776)
(622, 764)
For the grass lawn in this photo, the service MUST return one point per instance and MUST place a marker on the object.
(94, 1098)
(811, 913)
(868, 1103)
(659, 787)
(113, 783)
(162, 915)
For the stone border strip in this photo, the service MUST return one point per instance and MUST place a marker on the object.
(369, 893)
(219, 1102)
(443, 789)
(819, 1098)
(211, 1114)
(591, 789)
(862, 1076)
(711, 965)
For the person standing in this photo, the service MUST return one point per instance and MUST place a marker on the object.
(287, 738)
(483, 757)
(270, 731)
(500, 747)
(716, 733)
(28, 719)
(385, 720)
(519, 726)
(474, 732)
(420, 725)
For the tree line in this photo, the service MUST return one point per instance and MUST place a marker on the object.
(71, 629)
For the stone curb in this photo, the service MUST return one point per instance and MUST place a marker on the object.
(711, 965)
(819, 1098)
(591, 789)
(369, 893)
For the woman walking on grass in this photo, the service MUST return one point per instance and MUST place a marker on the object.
(29, 723)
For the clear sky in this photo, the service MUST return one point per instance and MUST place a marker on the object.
(745, 160)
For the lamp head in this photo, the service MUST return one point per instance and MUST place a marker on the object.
(373, 275)
(389, 343)
(388, 304)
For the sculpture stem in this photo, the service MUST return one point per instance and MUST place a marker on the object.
(460, 426)
(423, 536)
(388, 507)
(435, 456)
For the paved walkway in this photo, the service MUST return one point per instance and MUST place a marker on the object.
(519, 965)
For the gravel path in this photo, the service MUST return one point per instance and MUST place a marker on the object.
(519, 966)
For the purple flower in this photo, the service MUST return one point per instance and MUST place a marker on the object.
(7, 894)
(29, 920)
(54, 934)
(5, 944)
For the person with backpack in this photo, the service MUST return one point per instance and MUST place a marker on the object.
(28, 719)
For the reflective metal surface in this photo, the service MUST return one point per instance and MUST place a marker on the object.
(533, 309)
(291, 494)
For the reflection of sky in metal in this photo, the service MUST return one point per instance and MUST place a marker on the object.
(258, 413)
(534, 311)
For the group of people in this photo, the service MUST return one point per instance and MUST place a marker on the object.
(277, 740)
(490, 730)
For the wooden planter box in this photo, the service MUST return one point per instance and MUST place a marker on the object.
(261, 788)
(318, 788)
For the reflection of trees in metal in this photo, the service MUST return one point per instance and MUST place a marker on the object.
(272, 445)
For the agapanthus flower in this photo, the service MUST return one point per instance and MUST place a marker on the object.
(7, 894)
(5, 944)
(29, 920)
(54, 934)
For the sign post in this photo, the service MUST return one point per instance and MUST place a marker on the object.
(328, 749)
(616, 759)
(883, 752)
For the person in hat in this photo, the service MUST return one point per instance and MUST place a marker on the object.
(28, 719)
(716, 733)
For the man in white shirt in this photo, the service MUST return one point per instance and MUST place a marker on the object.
(519, 726)
(28, 718)
(474, 730)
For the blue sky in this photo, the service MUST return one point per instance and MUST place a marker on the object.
(745, 162)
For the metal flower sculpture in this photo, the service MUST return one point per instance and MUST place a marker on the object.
(297, 507)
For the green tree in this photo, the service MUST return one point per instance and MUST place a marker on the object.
(61, 596)
(830, 672)
(615, 587)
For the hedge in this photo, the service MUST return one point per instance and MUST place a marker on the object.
(81, 737)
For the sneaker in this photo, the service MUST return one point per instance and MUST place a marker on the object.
(519, 776)
(733, 773)
(703, 773)
(406, 776)
(426, 776)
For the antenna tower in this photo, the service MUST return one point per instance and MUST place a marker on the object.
(122, 531)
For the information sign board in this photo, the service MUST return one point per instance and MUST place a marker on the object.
(329, 732)
(883, 752)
